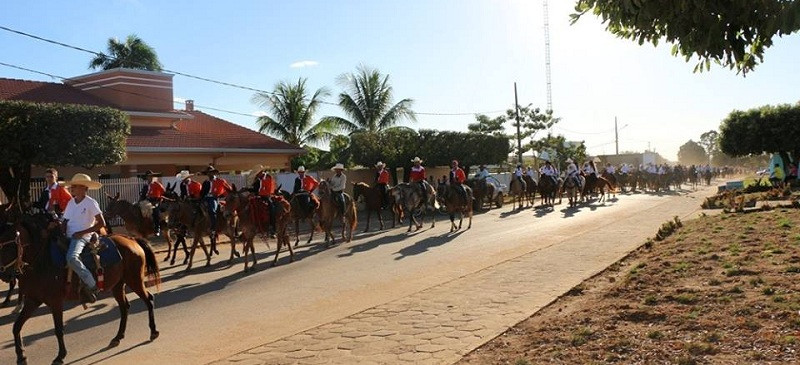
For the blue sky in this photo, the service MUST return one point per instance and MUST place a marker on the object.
(449, 56)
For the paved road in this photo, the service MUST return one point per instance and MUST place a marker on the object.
(218, 312)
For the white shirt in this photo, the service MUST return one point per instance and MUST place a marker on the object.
(624, 169)
(588, 170)
(662, 170)
(81, 215)
(482, 174)
(518, 172)
(338, 183)
(572, 170)
(548, 170)
(611, 170)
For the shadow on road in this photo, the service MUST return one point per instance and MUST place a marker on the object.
(427, 243)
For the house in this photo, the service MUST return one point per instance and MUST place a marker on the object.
(634, 159)
(162, 138)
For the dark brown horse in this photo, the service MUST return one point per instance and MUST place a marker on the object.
(136, 224)
(193, 216)
(254, 220)
(301, 211)
(549, 187)
(455, 202)
(518, 190)
(43, 283)
(373, 201)
(530, 189)
(329, 211)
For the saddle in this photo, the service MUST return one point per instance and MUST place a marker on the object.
(259, 213)
(146, 207)
(102, 252)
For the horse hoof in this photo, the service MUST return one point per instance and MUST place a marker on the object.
(236, 253)
(172, 263)
(22, 361)
(216, 252)
(58, 362)
(208, 263)
(114, 343)
(153, 335)
(166, 258)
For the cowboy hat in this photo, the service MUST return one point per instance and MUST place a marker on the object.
(380, 163)
(254, 172)
(569, 160)
(301, 169)
(416, 159)
(150, 173)
(183, 175)
(210, 170)
(83, 180)
(338, 166)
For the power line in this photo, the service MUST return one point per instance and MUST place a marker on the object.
(201, 78)
(576, 132)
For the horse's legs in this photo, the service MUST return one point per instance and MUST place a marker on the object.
(452, 222)
(310, 224)
(27, 311)
(11, 285)
(57, 310)
(369, 214)
(124, 306)
(149, 301)
(297, 231)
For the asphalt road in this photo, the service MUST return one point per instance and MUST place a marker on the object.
(217, 311)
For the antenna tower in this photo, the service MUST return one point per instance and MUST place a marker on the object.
(547, 54)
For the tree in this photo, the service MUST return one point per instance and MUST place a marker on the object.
(291, 114)
(367, 101)
(485, 125)
(133, 53)
(562, 148)
(395, 146)
(56, 135)
(734, 34)
(692, 153)
(770, 129)
(531, 121)
(709, 140)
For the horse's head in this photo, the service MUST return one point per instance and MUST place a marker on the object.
(235, 200)
(323, 187)
(9, 249)
(113, 207)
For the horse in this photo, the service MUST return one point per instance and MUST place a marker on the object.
(455, 203)
(409, 197)
(482, 192)
(171, 197)
(373, 201)
(531, 187)
(42, 282)
(518, 190)
(301, 210)
(571, 187)
(193, 216)
(549, 187)
(254, 219)
(136, 223)
(329, 211)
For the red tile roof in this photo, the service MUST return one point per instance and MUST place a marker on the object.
(204, 131)
(46, 92)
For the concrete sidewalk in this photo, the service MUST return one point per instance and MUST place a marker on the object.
(441, 324)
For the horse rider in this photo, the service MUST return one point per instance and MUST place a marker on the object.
(154, 194)
(457, 179)
(624, 169)
(264, 186)
(82, 217)
(54, 197)
(306, 184)
(382, 183)
(213, 189)
(518, 174)
(338, 182)
(549, 171)
(417, 175)
(531, 173)
(482, 173)
(572, 173)
(190, 189)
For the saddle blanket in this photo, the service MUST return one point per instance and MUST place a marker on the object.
(109, 255)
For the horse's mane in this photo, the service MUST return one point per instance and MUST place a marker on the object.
(35, 224)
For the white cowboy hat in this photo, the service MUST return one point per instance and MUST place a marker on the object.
(380, 163)
(416, 159)
(83, 180)
(301, 169)
(338, 166)
(254, 171)
(183, 175)
(569, 160)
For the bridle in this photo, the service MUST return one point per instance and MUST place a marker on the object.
(17, 262)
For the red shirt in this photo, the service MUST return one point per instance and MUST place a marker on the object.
(220, 187)
(383, 177)
(58, 196)
(460, 175)
(417, 174)
(266, 186)
(309, 183)
(193, 189)
(155, 190)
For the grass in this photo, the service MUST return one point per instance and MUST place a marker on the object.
(655, 335)
(784, 223)
(581, 336)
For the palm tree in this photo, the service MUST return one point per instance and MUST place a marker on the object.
(367, 101)
(291, 114)
(133, 53)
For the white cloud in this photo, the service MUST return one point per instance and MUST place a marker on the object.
(302, 64)
(258, 113)
(179, 100)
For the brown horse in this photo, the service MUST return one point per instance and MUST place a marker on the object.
(193, 216)
(373, 201)
(301, 210)
(518, 191)
(43, 283)
(330, 211)
(455, 203)
(409, 197)
(549, 187)
(531, 187)
(254, 220)
(136, 224)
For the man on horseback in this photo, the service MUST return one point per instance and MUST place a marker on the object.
(305, 184)
(549, 172)
(482, 173)
(457, 179)
(572, 173)
(338, 183)
(518, 174)
(154, 194)
(264, 187)
(190, 189)
(83, 217)
(382, 183)
(417, 175)
(212, 190)
(54, 197)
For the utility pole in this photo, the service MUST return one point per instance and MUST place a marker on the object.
(616, 136)
(519, 138)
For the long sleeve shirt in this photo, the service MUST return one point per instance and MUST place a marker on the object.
(338, 182)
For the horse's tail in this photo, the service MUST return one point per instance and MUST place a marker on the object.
(151, 264)
(352, 216)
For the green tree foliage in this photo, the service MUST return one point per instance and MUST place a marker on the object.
(734, 34)
(531, 121)
(56, 135)
(367, 102)
(318, 159)
(710, 142)
(562, 148)
(485, 125)
(771, 129)
(291, 114)
(692, 153)
(133, 53)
